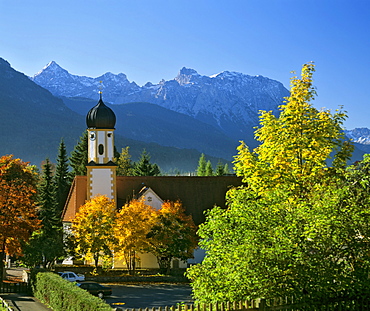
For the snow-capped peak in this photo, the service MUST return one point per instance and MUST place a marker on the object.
(51, 67)
(186, 75)
(226, 97)
(228, 75)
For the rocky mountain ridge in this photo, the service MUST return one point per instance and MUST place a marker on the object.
(229, 101)
(33, 122)
(359, 135)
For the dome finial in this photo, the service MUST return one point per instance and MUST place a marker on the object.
(100, 89)
(101, 116)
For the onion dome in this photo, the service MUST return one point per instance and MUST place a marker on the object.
(101, 117)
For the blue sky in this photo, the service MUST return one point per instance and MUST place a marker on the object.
(153, 40)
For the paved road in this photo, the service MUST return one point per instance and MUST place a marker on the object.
(126, 296)
(148, 295)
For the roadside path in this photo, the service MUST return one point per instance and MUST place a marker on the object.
(22, 302)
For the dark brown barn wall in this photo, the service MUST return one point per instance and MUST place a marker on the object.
(197, 194)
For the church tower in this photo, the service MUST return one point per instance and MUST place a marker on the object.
(101, 170)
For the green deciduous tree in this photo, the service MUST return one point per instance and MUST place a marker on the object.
(282, 232)
(173, 235)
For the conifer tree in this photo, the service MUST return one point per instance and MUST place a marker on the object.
(62, 178)
(46, 244)
(226, 169)
(144, 168)
(124, 163)
(219, 169)
(202, 163)
(209, 169)
(79, 157)
(47, 197)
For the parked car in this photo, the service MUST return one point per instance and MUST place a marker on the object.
(71, 276)
(96, 289)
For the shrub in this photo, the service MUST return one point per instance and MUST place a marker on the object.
(62, 295)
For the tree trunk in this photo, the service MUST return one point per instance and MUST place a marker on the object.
(2, 262)
(133, 262)
(96, 260)
(164, 264)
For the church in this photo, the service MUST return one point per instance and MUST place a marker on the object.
(197, 193)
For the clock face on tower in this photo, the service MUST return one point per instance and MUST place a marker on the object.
(92, 135)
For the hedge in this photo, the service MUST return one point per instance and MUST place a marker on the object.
(62, 295)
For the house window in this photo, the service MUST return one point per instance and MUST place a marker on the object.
(150, 199)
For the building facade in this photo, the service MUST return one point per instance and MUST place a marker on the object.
(196, 193)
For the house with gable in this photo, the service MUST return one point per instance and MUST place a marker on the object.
(197, 193)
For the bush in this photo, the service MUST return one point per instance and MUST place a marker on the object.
(62, 295)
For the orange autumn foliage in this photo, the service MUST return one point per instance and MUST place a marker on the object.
(18, 217)
(133, 223)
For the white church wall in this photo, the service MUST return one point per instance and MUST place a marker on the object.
(99, 184)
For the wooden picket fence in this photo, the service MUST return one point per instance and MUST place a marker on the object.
(338, 304)
(20, 287)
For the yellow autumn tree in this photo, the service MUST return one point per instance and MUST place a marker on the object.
(296, 146)
(133, 222)
(285, 231)
(92, 228)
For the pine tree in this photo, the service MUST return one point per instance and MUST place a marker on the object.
(62, 178)
(201, 170)
(144, 168)
(46, 244)
(226, 169)
(47, 197)
(79, 157)
(209, 169)
(124, 163)
(220, 171)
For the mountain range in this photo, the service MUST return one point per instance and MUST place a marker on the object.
(33, 122)
(229, 101)
(173, 120)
